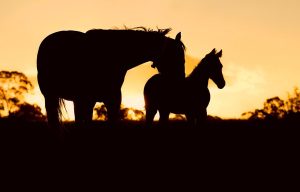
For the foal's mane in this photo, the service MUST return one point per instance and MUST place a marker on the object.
(199, 67)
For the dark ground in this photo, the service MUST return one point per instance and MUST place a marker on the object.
(225, 149)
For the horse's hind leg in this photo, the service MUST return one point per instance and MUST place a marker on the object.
(52, 107)
(83, 110)
(53, 117)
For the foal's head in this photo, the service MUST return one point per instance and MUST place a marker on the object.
(214, 68)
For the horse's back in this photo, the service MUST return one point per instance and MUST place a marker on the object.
(59, 59)
(75, 63)
(60, 47)
(96, 53)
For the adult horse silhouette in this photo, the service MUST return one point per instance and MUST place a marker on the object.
(90, 67)
(190, 97)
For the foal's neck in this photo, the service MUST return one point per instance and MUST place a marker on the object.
(200, 77)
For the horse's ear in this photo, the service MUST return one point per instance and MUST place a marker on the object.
(178, 36)
(213, 52)
(219, 54)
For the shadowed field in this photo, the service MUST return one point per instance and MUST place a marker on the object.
(218, 135)
(235, 147)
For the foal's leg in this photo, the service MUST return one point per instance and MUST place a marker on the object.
(201, 120)
(191, 119)
(83, 110)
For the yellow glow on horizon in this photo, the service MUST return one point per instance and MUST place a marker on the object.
(130, 103)
(134, 102)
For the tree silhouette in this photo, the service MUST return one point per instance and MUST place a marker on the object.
(13, 88)
(100, 113)
(273, 108)
(293, 105)
(276, 108)
(178, 117)
(28, 112)
(132, 114)
(255, 115)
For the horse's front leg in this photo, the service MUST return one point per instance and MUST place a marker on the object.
(83, 109)
(163, 118)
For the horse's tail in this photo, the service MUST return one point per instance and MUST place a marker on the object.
(54, 110)
(61, 105)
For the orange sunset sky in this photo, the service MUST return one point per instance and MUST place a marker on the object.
(260, 41)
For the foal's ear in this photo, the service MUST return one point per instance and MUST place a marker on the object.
(178, 36)
(219, 54)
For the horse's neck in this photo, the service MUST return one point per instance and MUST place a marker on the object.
(129, 48)
(137, 61)
(144, 50)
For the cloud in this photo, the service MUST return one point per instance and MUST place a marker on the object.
(239, 78)
(245, 90)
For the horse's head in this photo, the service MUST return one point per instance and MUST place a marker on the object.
(215, 68)
(171, 59)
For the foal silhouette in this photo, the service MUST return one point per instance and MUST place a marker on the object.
(90, 67)
(190, 97)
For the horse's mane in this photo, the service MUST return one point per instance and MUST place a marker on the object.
(162, 32)
(141, 29)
